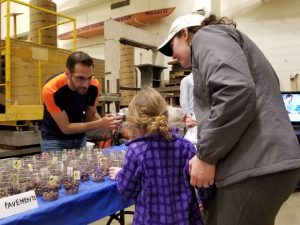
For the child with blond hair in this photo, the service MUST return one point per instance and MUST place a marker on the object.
(155, 171)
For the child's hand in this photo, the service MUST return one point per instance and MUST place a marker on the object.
(190, 122)
(113, 172)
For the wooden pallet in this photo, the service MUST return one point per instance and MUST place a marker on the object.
(127, 73)
(180, 74)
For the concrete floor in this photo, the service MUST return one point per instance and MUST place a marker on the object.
(289, 214)
(128, 219)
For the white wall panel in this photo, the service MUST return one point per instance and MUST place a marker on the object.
(275, 27)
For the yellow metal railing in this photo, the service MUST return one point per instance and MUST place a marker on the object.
(40, 42)
(7, 59)
(69, 19)
(7, 85)
(55, 25)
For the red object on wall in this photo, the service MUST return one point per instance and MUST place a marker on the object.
(136, 19)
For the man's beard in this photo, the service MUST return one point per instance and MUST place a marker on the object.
(79, 90)
(82, 90)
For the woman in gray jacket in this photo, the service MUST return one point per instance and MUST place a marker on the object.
(246, 144)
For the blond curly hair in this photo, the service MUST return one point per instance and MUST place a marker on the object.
(148, 113)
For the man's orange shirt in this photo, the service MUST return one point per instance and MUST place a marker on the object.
(59, 97)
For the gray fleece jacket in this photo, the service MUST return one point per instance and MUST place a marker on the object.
(243, 126)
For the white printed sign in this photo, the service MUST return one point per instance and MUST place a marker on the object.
(17, 204)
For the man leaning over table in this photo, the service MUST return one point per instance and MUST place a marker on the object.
(70, 101)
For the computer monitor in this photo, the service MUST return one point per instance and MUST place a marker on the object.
(292, 105)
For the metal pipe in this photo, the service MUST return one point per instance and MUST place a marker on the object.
(57, 24)
(53, 25)
(42, 9)
(40, 81)
(7, 58)
(74, 35)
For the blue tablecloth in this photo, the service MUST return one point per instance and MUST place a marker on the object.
(115, 148)
(93, 202)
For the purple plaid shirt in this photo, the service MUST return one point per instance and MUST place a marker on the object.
(155, 175)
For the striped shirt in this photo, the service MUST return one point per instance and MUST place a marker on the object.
(59, 97)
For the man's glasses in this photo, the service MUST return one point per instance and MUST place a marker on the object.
(81, 78)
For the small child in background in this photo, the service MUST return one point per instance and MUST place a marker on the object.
(155, 171)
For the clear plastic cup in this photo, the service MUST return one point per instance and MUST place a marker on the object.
(50, 188)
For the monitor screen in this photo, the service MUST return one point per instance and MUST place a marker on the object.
(292, 105)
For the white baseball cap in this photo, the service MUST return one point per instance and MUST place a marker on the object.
(189, 20)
